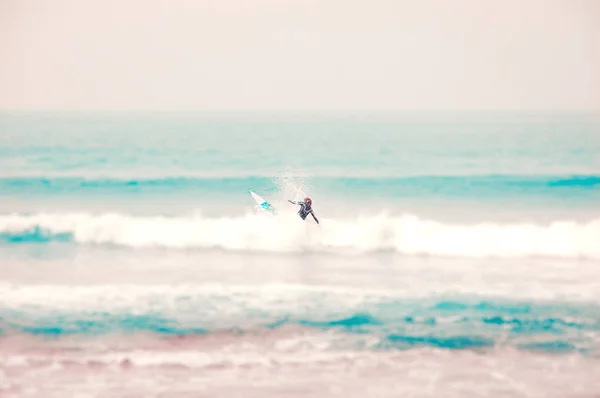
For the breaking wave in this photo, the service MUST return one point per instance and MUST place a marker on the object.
(286, 233)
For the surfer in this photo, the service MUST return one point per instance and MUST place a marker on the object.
(305, 208)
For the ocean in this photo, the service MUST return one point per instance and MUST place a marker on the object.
(457, 255)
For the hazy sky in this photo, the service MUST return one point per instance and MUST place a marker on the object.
(300, 54)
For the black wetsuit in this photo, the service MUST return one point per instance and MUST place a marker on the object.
(305, 210)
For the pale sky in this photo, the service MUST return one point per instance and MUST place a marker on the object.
(300, 54)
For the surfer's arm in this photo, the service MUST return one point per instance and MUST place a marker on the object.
(313, 215)
(296, 203)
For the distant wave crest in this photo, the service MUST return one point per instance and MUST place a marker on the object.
(286, 233)
(108, 180)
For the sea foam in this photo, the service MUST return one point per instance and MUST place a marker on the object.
(406, 234)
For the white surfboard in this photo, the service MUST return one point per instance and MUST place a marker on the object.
(263, 203)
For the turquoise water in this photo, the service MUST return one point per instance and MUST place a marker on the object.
(441, 235)
(393, 161)
(221, 145)
(397, 324)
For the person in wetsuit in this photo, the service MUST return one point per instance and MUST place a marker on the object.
(305, 208)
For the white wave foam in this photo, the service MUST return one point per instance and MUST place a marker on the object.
(225, 370)
(287, 233)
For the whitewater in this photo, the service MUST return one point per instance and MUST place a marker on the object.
(456, 256)
(254, 232)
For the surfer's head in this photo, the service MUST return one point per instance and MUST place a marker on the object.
(308, 201)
